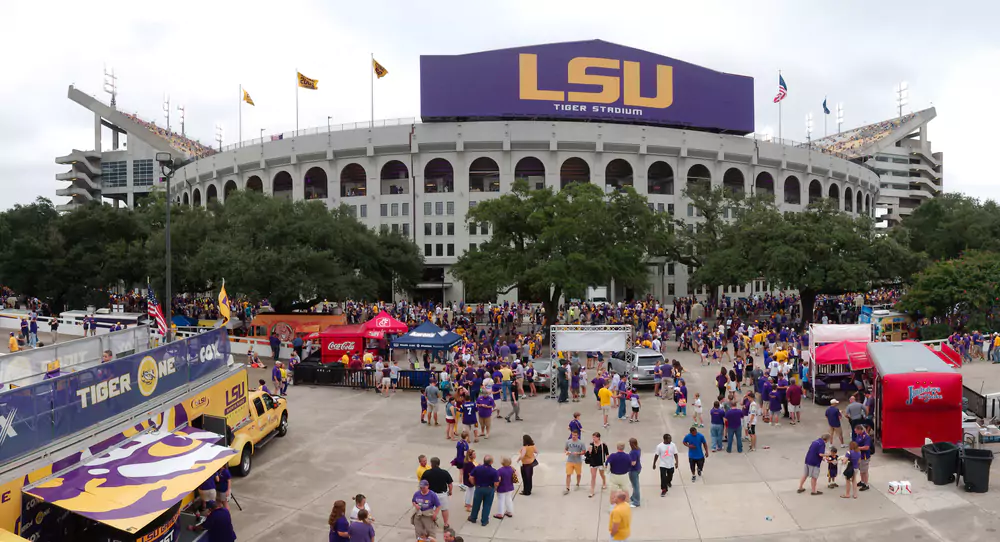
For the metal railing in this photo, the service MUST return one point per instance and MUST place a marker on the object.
(974, 402)
(280, 136)
(338, 375)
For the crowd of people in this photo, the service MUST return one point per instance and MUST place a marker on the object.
(852, 141)
(180, 142)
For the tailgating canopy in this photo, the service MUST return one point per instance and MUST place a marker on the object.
(377, 327)
(851, 352)
(427, 336)
(131, 485)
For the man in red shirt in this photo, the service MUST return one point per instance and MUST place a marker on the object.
(794, 394)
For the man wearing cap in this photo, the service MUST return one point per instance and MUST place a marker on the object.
(425, 511)
(833, 417)
(219, 524)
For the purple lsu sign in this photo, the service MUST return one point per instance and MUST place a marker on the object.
(584, 80)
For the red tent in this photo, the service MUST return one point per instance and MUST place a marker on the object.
(843, 352)
(377, 327)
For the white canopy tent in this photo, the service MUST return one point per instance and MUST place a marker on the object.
(579, 338)
(833, 333)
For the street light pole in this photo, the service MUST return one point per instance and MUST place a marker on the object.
(167, 167)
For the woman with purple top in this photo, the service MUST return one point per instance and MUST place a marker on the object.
(505, 491)
(851, 461)
(574, 384)
(720, 381)
(635, 454)
(339, 523)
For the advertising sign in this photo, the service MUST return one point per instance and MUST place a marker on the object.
(584, 80)
(33, 416)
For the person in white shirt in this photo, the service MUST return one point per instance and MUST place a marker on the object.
(615, 380)
(752, 417)
(666, 456)
(360, 503)
(656, 344)
(774, 367)
(378, 374)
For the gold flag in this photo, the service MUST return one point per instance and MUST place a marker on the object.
(305, 82)
(246, 98)
(380, 70)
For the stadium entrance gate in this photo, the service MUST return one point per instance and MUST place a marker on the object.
(578, 338)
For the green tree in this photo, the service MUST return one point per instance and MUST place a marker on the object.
(964, 292)
(555, 243)
(30, 248)
(947, 226)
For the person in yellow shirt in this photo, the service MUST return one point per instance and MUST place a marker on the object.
(781, 356)
(620, 522)
(604, 396)
(12, 343)
(422, 467)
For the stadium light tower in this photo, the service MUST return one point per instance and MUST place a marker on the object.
(111, 85)
(840, 116)
(166, 109)
(902, 96)
(180, 108)
(809, 127)
(218, 135)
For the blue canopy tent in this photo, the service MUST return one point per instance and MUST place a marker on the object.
(427, 336)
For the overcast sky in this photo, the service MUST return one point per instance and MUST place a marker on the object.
(199, 53)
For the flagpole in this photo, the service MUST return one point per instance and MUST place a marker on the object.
(779, 113)
(296, 102)
(371, 79)
(241, 115)
(826, 113)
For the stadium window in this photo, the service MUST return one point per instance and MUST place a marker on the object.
(484, 228)
(451, 207)
(384, 209)
(472, 247)
(670, 288)
(427, 250)
(725, 213)
(670, 269)
(427, 208)
(395, 228)
(115, 174)
(451, 228)
(690, 270)
(394, 209)
(690, 210)
(900, 160)
(427, 228)
(439, 228)
(406, 229)
(142, 172)
(472, 204)
(690, 228)
(670, 209)
(354, 211)
(451, 249)
(881, 158)
(406, 209)
(438, 207)
(472, 228)
(439, 248)
(363, 208)
(650, 206)
(384, 228)
(659, 207)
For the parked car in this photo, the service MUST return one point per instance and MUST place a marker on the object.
(640, 361)
(543, 370)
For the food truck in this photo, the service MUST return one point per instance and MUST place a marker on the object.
(917, 396)
(887, 324)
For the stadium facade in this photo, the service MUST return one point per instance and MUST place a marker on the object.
(550, 114)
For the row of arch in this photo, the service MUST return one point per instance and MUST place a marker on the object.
(484, 176)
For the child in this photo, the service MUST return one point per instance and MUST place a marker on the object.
(262, 386)
(461, 447)
(634, 401)
(574, 385)
(449, 417)
(423, 406)
(831, 475)
(681, 405)
(284, 381)
(698, 410)
(583, 381)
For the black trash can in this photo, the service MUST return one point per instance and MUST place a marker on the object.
(976, 469)
(941, 459)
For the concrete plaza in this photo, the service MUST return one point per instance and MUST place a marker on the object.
(342, 442)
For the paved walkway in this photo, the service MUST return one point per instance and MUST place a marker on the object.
(343, 442)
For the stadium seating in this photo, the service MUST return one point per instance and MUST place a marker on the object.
(186, 145)
(852, 141)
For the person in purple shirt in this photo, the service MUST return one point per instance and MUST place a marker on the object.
(485, 405)
(717, 426)
(734, 428)
(598, 384)
(575, 426)
(833, 416)
(765, 393)
(361, 530)
(782, 387)
(486, 479)
(774, 406)
(505, 490)
(864, 441)
(635, 454)
(218, 524)
(814, 459)
(425, 511)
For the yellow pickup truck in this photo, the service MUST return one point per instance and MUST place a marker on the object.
(249, 418)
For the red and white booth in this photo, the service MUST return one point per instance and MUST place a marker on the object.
(359, 338)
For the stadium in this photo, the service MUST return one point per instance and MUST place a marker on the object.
(551, 114)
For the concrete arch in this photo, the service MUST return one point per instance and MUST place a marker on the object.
(532, 170)
(792, 190)
(573, 170)
(282, 185)
(185, 199)
(316, 183)
(196, 197)
(815, 191)
(211, 194)
(734, 181)
(764, 185)
(439, 176)
(394, 178)
(254, 184)
(484, 175)
(833, 192)
(353, 180)
(618, 174)
(660, 179)
(228, 189)
(859, 208)
(848, 200)
(699, 176)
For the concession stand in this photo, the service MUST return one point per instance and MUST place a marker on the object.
(838, 352)
(370, 336)
(917, 396)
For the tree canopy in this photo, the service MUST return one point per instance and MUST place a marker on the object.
(964, 291)
(948, 225)
(555, 243)
(292, 253)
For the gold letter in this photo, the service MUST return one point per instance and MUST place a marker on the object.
(529, 81)
(610, 85)
(664, 87)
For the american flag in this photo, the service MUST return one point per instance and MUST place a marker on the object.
(155, 312)
(782, 89)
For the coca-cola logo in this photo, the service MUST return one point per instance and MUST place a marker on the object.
(343, 345)
(382, 322)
